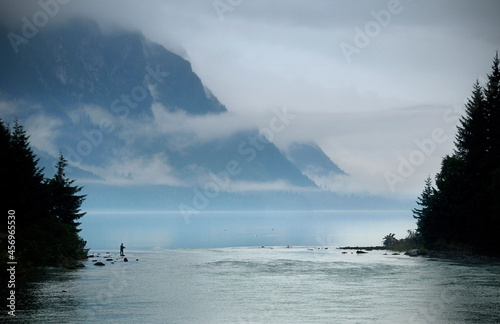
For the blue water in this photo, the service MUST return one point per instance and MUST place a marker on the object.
(264, 285)
(147, 230)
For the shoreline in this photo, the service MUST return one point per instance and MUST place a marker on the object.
(437, 254)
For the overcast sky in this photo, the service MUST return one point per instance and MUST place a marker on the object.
(369, 81)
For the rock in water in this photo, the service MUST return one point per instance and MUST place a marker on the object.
(125, 260)
(361, 252)
(413, 252)
(99, 264)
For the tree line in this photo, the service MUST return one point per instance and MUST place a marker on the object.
(460, 208)
(47, 209)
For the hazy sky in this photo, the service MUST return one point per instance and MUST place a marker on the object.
(379, 85)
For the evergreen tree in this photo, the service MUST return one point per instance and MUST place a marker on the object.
(6, 170)
(492, 186)
(25, 192)
(64, 199)
(464, 210)
(46, 210)
(473, 150)
(450, 216)
(5, 161)
(492, 94)
(471, 140)
(424, 213)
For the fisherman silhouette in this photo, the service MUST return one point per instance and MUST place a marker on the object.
(121, 250)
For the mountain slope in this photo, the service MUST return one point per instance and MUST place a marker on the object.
(114, 105)
(81, 65)
(311, 160)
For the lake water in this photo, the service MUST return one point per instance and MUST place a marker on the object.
(209, 229)
(264, 285)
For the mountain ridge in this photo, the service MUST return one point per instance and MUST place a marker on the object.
(104, 94)
(119, 107)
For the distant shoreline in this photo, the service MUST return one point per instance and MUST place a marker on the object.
(438, 254)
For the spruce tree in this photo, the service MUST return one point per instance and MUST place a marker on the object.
(23, 191)
(65, 202)
(492, 94)
(473, 148)
(465, 205)
(46, 210)
(491, 192)
(6, 171)
(425, 212)
(471, 140)
(26, 193)
(5, 163)
(449, 215)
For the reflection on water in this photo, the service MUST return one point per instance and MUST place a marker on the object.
(44, 297)
(265, 285)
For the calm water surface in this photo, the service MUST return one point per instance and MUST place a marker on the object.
(208, 229)
(264, 285)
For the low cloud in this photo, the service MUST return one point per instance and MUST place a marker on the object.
(286, 53)
(201, 127)
(153, 170)
(7, 109)
(371, 145)
(43, 132)
(373, 148)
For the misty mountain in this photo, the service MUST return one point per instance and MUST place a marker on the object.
(132, 118)
(67, 66)
(112, 98)
(312, 161)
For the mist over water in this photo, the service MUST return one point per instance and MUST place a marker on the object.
(147, 230)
